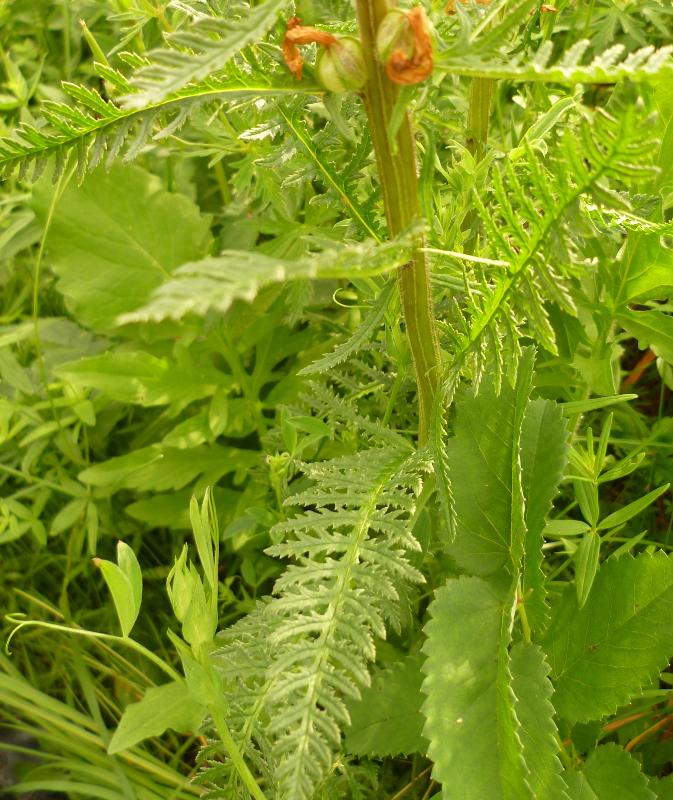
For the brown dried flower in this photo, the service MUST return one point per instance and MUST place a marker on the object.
(411, 62)
(297, 33)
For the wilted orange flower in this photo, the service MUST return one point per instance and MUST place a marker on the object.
(297, 33)
(405, 68)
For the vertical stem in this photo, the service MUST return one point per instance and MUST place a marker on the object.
(399, 185)
(479, 111)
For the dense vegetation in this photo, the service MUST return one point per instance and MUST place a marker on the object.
(336, 360)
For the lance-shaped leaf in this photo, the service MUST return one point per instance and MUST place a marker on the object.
(535, 712)
(160, 708)
(544, 447)
(602, 654)
(470, 707)
(486, 474)
(125, 582)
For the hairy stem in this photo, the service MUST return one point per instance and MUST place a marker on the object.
(399, 185)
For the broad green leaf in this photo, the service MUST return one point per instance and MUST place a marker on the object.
(602, 654)
(544, 452)
(158, 468)
(115, 238)
(387, 719)
(138, 377)
(632, 509)
(610, 773)
(652, 329)
(649, 271)
(471, 720)
(535, 712)
(663, 787)
(161, 708)
(485, 474)
(214, 283)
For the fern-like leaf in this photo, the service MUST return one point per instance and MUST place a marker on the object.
(203, 49)
(214, 283)
(527, 214)
(101, 130)
(338, 596)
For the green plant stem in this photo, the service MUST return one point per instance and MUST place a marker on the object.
(399, 186)
(478, 115)
(20, 623)
(235, 754)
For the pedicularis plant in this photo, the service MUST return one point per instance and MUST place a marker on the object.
(374, 281)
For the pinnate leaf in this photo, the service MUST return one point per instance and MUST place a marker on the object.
(214, 283)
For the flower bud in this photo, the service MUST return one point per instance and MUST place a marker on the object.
(394, 33)
(340, 67)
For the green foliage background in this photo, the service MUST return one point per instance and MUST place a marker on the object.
(198, 291)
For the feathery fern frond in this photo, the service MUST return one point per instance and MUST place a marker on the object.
(488, 45)
(203, 49)
(615, 64)
(340, 594)
(241, 660)
(214, 283)
(96, 127)
(528, 214)
(357, 341)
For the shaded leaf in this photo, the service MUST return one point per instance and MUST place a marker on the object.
(161, 708)
(387, 719)
(470, 707)
(602, 654)
(117, 237)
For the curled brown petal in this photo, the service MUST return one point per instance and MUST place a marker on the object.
(297, 33)
(407, 70)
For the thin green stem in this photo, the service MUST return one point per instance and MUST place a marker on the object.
(399, 186)
(235, 754)
(19, 623)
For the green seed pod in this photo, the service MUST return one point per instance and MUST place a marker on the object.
(341, 66)
(394, 33)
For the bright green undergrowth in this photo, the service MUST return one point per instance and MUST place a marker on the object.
(234, 563)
